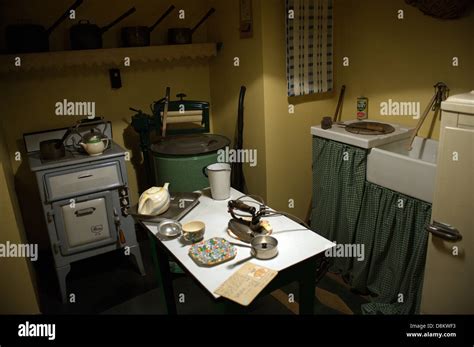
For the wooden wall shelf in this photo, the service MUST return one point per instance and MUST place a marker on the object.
(109, 57)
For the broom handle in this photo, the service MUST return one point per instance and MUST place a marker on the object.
(339, 103)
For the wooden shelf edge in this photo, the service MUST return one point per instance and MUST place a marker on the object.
(112, 57)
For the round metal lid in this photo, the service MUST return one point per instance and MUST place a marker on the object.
(370, 128)
(190, 144)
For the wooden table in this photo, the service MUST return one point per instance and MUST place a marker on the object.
(300, 258)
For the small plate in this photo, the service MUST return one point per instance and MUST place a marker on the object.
(213, 251)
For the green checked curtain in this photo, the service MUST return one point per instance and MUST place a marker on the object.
(347, 209)
(392, 228)
(338, 188)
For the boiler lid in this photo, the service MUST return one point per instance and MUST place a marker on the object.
(190, 144)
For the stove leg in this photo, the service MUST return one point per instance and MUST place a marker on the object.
(135, 251)
(62, 273)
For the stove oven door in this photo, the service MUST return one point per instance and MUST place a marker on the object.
(85, 223)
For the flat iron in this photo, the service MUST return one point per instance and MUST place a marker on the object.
(250, 227)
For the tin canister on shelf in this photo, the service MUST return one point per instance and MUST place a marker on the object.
(362, 107)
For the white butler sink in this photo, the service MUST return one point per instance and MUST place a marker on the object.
(408, 172)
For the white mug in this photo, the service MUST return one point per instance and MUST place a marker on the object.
(219, 180)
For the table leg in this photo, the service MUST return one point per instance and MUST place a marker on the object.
(312, 272)
(226, 306)
(307, 286)
(163, 275)
(323, 264)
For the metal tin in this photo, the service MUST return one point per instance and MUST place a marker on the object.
(362, 107)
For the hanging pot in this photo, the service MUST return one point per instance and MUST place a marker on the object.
(30, 38)
(85, 35)
(139, 36)
(180, 36)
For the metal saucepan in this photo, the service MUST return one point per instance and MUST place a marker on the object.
(29, 38)
(139, 36)
(180, 36)
(262, 247)
(85, 35)
(54, 149)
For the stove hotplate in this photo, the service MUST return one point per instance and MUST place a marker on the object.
(72, 157)
(71, 154)
(74, 154)
(68, 156)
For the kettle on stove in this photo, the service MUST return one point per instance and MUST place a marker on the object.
(94, 142)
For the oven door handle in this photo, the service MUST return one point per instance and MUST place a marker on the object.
(85, 212)
(444, 231)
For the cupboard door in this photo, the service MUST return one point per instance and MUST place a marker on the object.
(449, 272)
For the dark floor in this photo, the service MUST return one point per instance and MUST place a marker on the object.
(110, 284)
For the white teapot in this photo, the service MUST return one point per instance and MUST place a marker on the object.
(154, 201)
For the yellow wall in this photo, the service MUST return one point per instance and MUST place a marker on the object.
(288, 139)
(27, 99)
(400, 59)
(226, 80)
(17, 292)
(389, 58)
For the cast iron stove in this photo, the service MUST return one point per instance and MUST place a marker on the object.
(85, 203)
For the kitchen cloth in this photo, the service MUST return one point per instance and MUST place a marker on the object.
(309, 57)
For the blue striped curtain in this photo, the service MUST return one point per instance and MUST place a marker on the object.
(309, 58)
